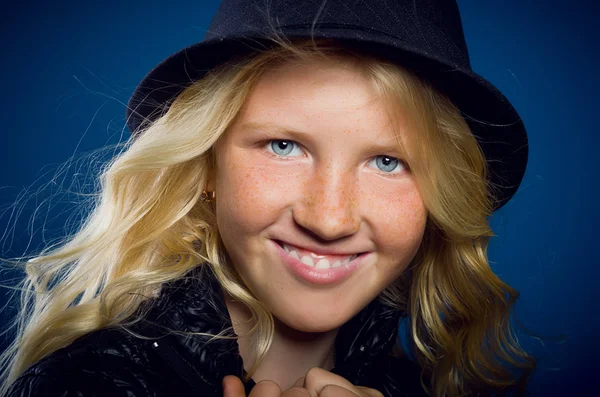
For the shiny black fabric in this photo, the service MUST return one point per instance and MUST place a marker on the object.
(115, 362)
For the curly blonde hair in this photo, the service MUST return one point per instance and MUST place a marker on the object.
(149, 227)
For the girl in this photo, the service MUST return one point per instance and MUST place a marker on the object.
(295, 185)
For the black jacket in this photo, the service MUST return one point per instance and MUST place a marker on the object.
(114, 362)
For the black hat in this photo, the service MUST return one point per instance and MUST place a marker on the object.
(425, 36)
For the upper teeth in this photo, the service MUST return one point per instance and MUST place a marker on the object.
(322, 263)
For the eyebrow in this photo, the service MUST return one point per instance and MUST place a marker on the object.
(273, 128)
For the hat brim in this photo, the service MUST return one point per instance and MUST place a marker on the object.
(494, 122)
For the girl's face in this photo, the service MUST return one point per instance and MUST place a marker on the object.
(309, 163)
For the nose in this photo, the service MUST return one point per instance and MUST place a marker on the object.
(329, 207)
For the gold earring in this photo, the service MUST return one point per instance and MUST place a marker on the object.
(207, 197)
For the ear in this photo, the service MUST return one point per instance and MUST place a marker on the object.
(211, 175)
(211, 181)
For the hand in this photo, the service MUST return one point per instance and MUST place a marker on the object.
(233, 387)
(321, 383)
(317, 383)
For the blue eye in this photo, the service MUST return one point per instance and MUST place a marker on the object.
(387, 164)
(282, 147)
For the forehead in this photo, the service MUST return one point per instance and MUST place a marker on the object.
(323, 97)
(334, 84)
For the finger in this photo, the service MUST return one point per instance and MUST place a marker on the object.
(317, 379)
(233, 387)
(266, 388)
(370, 392)
(300, 382)
(296, 391)
(336, 391)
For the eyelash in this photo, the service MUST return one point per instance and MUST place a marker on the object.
(267, 145)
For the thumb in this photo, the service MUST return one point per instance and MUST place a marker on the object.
(233, 387)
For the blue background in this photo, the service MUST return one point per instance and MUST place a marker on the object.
(69, 69)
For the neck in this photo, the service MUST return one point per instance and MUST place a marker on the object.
(292, 352)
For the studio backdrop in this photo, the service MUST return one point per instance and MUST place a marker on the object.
(69, 68)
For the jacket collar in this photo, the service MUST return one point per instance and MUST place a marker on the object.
(195, 303)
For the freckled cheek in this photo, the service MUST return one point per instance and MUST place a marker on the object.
(250, 196)
(399, 220)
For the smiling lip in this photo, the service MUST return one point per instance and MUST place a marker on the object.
(318, 276)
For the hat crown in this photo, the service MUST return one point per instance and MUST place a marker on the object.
(432, 26)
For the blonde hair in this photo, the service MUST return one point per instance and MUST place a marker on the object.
(148, 227)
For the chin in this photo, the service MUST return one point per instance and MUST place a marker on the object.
(313, 323)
